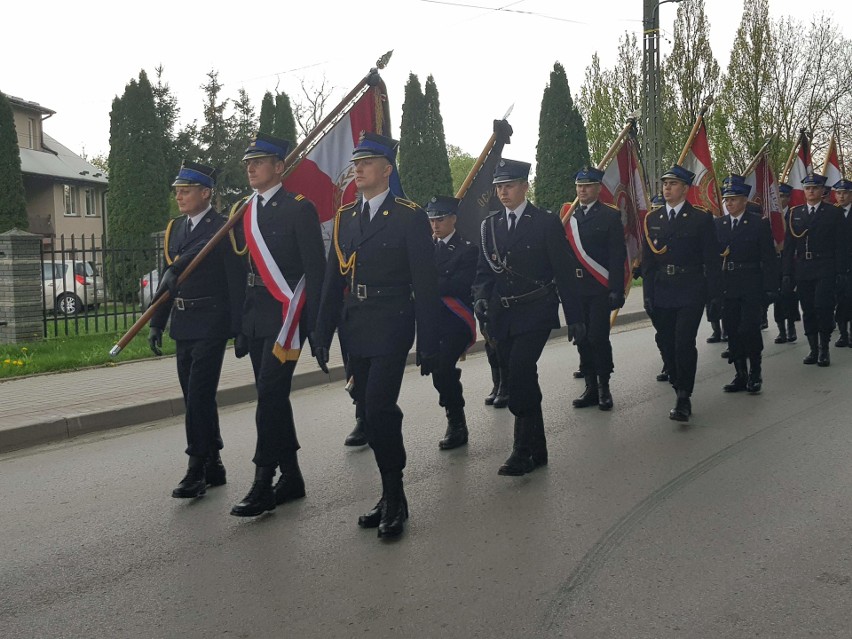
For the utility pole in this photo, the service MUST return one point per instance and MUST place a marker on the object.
(652, 146)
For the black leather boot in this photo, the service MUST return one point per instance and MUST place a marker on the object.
(261, 496)
(578, 374)
(371, 518)
(590, 395)
(520, 462)
(395, 508)
(502, 399)
(663, 375)
(843, 341)
(782, 333)
(764, 321)
(456, 434)
(740, 381)
(683, 408)
(716, 336)
(290, 485)
(755, 374)
(537, 439)
(194, 483)
(726, 354)
(811, 357)
(604, 396)
(823, 358)
(791, 331)
(358, 437)
(215, 470)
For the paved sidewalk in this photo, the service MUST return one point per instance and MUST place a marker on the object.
(58, 406)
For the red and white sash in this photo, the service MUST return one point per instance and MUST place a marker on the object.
(600, 273)
(287, 344)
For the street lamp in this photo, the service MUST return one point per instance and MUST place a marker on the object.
(653, 144)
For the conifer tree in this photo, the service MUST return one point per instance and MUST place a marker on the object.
(215, 137)
(563, 148)
(285, 123)
(435, 154)
(13, 204)
(267, 114)
(412, 173)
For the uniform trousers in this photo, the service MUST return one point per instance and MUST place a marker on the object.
(446, 378)
(276, 430)
(377, 383)
(596, 349)
(817, 298)
(843, 312)
(199, 365)
(677, 328)
(742, 318)
(786, 307)
(520, 354)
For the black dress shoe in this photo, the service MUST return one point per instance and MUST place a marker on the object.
(194, 483)
(261, 496)
(520, 462)
(371, 518)
(578, 374)
(663, 375)
(739, 383)
(715, 338)
(214, 469)
(456, 434)
(490, 397)
(501, 401)
(726, 353)
(358, 437)
(682, 410)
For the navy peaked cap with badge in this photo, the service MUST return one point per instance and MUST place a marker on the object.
(814, 179)
(588, 175)
(658, 200)
(734, 186)
(785, 189)
(511, 170)
(195, 174)
(264, 146)
(441, 206)
(373, 145)
(754, 207)
(677, 172)
(843, 185)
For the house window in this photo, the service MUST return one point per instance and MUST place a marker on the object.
(31, 132)
(70, 199)
(91, 203)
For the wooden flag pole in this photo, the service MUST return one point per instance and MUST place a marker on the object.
(476, 166)
(789, 165)
(757, 157)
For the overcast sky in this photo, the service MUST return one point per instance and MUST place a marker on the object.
(74, 58)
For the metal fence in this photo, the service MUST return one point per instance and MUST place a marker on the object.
(88, 288)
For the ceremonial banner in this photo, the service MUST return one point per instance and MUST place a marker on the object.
(704, 191)
(325, 175)
(831, 167)
(764, 191)
(798, 166)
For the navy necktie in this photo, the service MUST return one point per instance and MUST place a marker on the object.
(512, 221)
(734, 224)
(365, 216)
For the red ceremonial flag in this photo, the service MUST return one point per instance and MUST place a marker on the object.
(831, 167)
(325, 175)
(704, 191)
(801, 166)
(764, 191)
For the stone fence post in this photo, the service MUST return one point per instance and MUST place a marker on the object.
(21, 305)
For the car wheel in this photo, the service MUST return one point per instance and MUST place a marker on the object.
(68, 304)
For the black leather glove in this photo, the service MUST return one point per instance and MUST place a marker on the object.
(319, 352)
(637, 272)
(787, 285)
(840, 282)
(155, 340)
(714, 308)
(770, 296)
(427, 363)
(480, 309)
(241, 346)
(503, 131)
(616, 300)
(649, 306)
(576, 332)
(168, 282)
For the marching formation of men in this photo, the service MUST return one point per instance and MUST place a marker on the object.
(398, 275)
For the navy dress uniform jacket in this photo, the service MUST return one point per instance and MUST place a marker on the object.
(291, 229)
(212, 295)
(395, 250)
(456, 265)
(821, 249)
(690, 268)
(751, 267)
(602, 236)
(534, 255)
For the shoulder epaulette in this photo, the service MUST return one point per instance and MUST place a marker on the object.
(656, 207)
(296, 196)
(348, 205)
(412, 205)
(701, 208)
(612, 206)
(492, 213)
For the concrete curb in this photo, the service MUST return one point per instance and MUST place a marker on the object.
(57, 428)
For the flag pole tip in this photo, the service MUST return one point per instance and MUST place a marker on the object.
(115, 350)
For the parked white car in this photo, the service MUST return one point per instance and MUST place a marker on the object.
(70, 286)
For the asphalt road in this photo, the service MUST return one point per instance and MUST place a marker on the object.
(737, 525)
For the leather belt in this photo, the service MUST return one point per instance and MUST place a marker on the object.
(817, 256)
(736, 266)
(363, 291)
(253, 279)
(673, 269)
(508, 302)
(183, 304)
